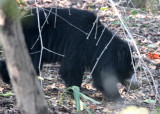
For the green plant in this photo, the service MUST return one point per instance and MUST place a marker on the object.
(79, 99)
(8, 94)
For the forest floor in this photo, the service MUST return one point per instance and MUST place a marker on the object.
(145, 29)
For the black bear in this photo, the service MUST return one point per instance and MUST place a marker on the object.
(81, 38)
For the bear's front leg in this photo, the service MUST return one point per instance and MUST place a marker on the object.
(109, 81)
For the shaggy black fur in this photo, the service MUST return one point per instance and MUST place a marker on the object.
(69, 38)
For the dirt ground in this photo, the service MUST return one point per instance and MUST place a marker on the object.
(145, 29)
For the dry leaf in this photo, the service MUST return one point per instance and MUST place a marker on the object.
(1, 89)
(92, 107)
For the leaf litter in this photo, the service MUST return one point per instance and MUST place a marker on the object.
(145, 29)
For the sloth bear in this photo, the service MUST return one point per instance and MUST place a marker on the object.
(76, 38)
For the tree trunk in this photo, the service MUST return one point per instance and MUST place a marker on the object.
(23, 77)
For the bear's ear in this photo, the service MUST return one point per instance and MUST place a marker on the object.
(122, 53)
(123, 59)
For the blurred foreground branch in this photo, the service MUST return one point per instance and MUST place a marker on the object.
(23, 77)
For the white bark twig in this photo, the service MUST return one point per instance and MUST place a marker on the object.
(104, 50)
(134, 43)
